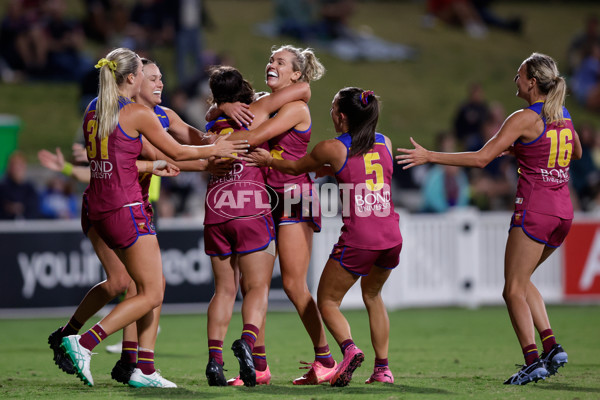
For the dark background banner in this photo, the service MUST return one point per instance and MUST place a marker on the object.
(56, 268)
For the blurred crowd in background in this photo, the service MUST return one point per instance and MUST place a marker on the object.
(40, 42)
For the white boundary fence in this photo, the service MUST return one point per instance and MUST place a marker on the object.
(452, 259)
(455, 258)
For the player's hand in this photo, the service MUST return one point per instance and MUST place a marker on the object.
(79, 153)
(54, 162)
(412, 157)
(239, 112)
(164, 168)
(219, 166)
(259, 157)
(229, 148)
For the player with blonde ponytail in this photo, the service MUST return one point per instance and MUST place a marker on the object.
(114, 127)
(288, 134)
(544, 141)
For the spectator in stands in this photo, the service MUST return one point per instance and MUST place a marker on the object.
(57, 200)
(461, 13)
(65, 43)
(187, 19)
(470, 117)
(445, 186)
(21, 41)
(492, 20)
(493, 187)
(335, 16)
(147, 24)
(18, 196)
(585, 82)
(325, 23)
(582, 41)
(104, 19)
(585, 173)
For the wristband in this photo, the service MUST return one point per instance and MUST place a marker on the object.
(67, 169)
(158, 164)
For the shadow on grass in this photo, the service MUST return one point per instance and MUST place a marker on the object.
(178, 393)
(278, 390)
(568, 388)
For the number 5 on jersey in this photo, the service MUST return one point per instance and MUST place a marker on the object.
(373, 168)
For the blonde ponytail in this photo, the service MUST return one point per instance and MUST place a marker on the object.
(543, 68)
(553, 107)
(114, 69)
(313, 70)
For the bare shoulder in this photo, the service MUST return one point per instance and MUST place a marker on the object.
(523, 117)
(329, 146)
(295, 106)
(331, 151)
(527, 123)
(136, 108)
(171, 114)
(135, 113)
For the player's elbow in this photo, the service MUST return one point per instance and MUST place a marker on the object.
(481, 162)
(179, 155)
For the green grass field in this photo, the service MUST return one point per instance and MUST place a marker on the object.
(442, 353)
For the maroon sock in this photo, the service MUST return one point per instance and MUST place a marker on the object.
(323, 355)
(145, 361)
(129, 352)
(381, 362)
(93, 337)
(345, 344)
(72, 327)
(249, 334)
(215, 350)
(548, 340)
(259, 355)
(530, 353)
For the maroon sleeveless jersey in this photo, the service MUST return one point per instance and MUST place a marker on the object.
(370, 221)
(544, 168)
(114, 174)
(290, 145)
(239, 194)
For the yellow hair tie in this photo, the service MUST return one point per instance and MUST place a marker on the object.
(111, 64)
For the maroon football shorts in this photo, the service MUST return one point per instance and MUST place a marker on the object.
(122, 228)
(239, 236)
(359, 261)
(542, 228)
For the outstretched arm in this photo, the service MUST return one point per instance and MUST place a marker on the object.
(325, 152)
(289, 116)
(56, 162)
(517, 125)
(184, 133)
(141, 119)
(157, 167)
(270, 103)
